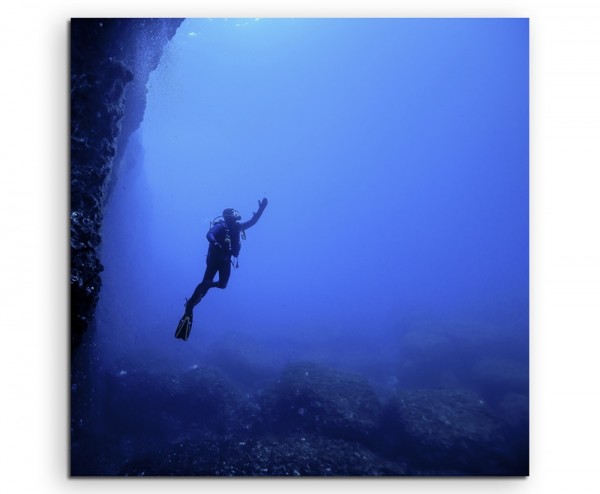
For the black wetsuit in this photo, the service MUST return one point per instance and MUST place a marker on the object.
(224, 243)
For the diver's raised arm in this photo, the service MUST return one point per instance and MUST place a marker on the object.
(255, 216)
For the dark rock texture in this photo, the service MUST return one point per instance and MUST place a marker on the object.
(107, 55)
(273, 456)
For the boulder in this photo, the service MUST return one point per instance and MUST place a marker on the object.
(312, 398)
(498, 376)
(444, 430)
(152, 404)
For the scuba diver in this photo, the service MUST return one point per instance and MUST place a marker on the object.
(224, 243)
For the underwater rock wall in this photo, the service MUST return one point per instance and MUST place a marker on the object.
(111, 60)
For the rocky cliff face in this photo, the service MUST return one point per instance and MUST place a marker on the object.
(111, 60)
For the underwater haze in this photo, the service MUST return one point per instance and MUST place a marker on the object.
(391, 264)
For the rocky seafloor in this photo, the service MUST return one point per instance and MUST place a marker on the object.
(313, 420)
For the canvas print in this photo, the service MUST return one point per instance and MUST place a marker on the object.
(299, 247)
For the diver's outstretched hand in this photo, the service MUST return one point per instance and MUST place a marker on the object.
(262, 204)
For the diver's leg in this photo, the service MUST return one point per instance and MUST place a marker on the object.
(203, 287)
(224, 274)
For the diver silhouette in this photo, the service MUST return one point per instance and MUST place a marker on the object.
(224, 242)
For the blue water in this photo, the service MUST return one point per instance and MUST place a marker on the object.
(394, 156)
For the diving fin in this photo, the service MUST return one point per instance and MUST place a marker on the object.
(184, 327)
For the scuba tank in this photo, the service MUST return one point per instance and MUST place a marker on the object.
(227, 241)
